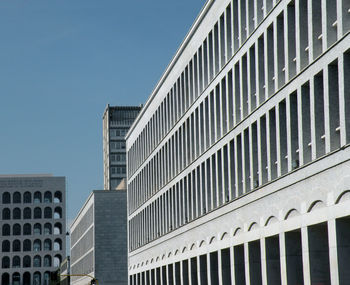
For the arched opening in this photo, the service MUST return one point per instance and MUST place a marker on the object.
(27, 213)
(5, 246)
(6, 214)
(6, 198)
(47, 261)
(47, 244)
(37, 197)
(253, 226)
(17, 198)
(316, 205)
(37, 278)
(48, 197)
(344, 196)
(271, 220)
(27, 198)
(26, 278)
(57, 197)
(58, 213)
(37, 229)
(57, 260)
(27, 229)
(37, 261)
(16, 262)
(48, 213)
(46, 278)
(58, 229)
(37, 245)
(27, 245)
(16, 278)
(47, 229)
(5, 279)
(16, 245)
(16, 213)
(57, 245)
(37, 213)
(16, 230)
(26, 261)
(5, 263)
(6, 230)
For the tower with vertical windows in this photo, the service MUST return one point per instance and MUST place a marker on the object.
(32, 224)
(116, 122)
(238, 164)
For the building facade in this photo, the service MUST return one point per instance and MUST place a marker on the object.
(64, 272)
(238, 164)
(99, 239)
(116, 122)
(33, 224)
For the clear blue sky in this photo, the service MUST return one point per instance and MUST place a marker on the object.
(61, 62)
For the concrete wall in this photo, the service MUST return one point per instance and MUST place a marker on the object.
(110, 237)
(33, 184)
(244, 147)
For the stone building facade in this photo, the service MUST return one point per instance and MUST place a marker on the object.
(99, 239)
(238, 164)
(33, 228)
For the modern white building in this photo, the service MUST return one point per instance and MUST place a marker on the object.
(238, 164)
(116, 123)
(33, 224)
(99, 239)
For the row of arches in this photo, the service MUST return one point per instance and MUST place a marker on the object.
(38, 245)
(27, 197)
(15, 279)
(27, 229)
(27, 213)
(27, 261)
(253, 225)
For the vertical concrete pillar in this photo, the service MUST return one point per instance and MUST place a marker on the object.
(333, 260)
(283, 259)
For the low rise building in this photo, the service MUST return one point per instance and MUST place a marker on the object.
(33, 224)
(98, 239)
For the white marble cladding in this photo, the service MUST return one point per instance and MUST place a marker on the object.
(256, 98)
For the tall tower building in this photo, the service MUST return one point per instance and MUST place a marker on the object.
(116, 122)
(33, 228)
(238, 164)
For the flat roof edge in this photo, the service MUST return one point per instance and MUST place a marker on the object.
(175, 58)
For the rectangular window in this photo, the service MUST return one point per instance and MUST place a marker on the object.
(333, 105)
(319, 114)
(283, 137)
(304, 40)
(291, 40)
(280, 50)
(229, 46)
